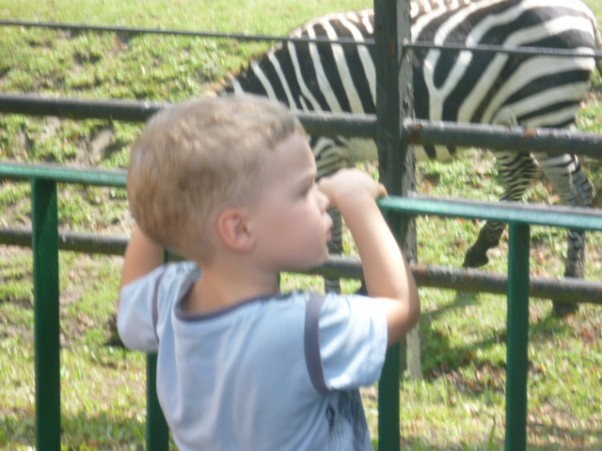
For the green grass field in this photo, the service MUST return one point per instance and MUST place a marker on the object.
(459, 404)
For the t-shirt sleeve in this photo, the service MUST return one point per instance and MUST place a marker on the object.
(352, 337)
(137, 315)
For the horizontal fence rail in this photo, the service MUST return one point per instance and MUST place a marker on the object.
(497, 137)
(550, 141)
(467, 279)
(509, 212)
(79, 28)
(420, 45)
(329, 124)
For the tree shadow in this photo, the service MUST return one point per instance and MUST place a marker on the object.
(441, 357)
(80, 431)
(555, 437)
(461, 299)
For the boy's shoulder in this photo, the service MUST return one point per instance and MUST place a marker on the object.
(166, 282)
(183, 272)
(181, 269)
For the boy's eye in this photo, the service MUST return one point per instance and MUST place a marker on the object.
(308, 187)
(307, 190)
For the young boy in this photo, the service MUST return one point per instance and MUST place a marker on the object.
(230, 184)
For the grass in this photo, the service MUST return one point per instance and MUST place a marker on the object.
(459, 404)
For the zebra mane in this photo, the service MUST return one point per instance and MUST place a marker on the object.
(364, 16)
(419, 7)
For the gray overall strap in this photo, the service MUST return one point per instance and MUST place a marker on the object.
(312, 343)
(155, 307)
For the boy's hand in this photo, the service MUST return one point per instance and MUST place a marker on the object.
(347, 185)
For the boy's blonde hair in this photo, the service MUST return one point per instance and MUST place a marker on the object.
(200, 155)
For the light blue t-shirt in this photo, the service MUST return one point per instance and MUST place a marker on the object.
(277, 373)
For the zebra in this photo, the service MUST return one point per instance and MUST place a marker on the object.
(455, 86)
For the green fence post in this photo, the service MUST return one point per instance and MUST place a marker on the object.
(45, 244)
(394, 102)
(518, 338)
(388, 399)
(157, 432)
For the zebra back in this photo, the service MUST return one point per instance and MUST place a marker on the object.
(449, 85)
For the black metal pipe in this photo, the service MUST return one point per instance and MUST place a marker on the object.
(327, 124)
(339, 124)
(79, 28)
(470, 280)
(483, 48)
(550, 141)
(118, 110)
(88, 243)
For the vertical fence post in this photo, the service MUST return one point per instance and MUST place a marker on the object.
(45, 243)
(157, 431)
(394, 101)
(518, 338)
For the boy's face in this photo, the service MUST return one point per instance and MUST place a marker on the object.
(290, 221)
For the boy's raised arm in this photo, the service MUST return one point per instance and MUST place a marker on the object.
(141, 257)
(386, 272)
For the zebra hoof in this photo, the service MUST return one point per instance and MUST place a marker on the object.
(475, 258)
(562, 309)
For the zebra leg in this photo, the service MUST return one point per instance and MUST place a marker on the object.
(518, 171)
(574, 188)
(331, 155)
(335, 246)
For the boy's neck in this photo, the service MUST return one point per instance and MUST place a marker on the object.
(219, 289)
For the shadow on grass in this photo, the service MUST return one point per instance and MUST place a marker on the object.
(540, 438)
(551, 436)
(419, 444)
(440, 357)
(461, 300)
(80, 431)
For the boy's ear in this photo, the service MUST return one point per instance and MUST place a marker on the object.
(233, 229)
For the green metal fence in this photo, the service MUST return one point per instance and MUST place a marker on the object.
(45, 244)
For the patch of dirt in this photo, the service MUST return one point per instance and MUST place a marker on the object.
(550, 427)
(588, 331)
(487, 377)
(97, 147)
